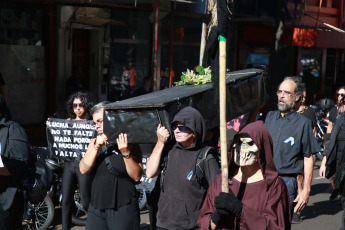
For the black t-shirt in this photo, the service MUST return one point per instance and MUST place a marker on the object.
(341, 134)
(310, 114)
(109, 191)
(293, 139)
(333, 113)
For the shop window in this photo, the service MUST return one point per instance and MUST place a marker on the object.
(311, 68)
(185, 43)
(130, 52)
(24, 68)
(20, 26)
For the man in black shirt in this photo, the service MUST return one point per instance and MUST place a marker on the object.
(293, 143)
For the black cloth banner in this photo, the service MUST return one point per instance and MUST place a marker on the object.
(68, 139)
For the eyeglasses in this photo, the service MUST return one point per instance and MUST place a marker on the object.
(98, 122)
(340, 94)
(182, 128)
(76, 105)
(283, 92)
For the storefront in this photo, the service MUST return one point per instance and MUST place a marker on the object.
(23, 51)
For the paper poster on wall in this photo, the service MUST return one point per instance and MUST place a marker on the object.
(69, 139)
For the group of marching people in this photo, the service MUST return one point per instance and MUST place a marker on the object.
(265, 158)
(258, 198)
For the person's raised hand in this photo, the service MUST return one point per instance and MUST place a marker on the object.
(122, 143)
(101, 140)
(162, 134)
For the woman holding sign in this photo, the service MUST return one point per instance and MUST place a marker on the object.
(78, 107)
(116, 168)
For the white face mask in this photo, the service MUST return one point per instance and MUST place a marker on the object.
(245, 151)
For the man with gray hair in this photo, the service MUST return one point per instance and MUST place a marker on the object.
(293, 143)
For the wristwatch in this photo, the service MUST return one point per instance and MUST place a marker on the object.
(127, 156)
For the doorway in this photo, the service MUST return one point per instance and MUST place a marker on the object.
(79, 81)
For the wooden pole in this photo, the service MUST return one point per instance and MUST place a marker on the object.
(222, 114)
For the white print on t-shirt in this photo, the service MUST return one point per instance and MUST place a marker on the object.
(290, 139)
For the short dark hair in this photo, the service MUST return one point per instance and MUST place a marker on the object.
(298, 84)
(86, 100)
(98, 106)
(304, 87)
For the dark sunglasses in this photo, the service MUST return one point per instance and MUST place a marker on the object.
(342, 95)
(76, 106)
(182, 128)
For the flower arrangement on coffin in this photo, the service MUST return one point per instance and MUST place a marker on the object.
(199, 75)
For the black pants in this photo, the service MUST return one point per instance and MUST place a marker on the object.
(152, 205)
(71, 175)
(124, 218)
(11, 219)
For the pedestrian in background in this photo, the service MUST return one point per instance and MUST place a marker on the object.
(132, 77)
(78, 107)
(333, 114)
(309, 113)
(333, 163)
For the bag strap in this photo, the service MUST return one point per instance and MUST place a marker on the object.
(200, 166)
(110, 167)
(108, 164)
(164, 170)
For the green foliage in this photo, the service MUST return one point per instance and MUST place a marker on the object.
(190, 77)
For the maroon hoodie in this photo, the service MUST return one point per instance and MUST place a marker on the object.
(265, 202)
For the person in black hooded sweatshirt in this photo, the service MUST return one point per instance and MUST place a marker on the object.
(181, 194)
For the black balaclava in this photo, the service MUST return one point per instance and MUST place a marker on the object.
(191, 118)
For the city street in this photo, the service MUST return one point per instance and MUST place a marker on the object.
(320, 212)
(318, 215)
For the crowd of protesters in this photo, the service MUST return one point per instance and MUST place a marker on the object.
(270, 169)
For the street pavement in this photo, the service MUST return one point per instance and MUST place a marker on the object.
(320, 214)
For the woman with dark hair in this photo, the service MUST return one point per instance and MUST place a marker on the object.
(84, 102)
(333, 163)
(333, 115)
(78, 107)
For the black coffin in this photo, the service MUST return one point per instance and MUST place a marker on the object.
(140, 116)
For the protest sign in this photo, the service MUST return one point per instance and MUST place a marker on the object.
(147, 184)
(69, 139)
